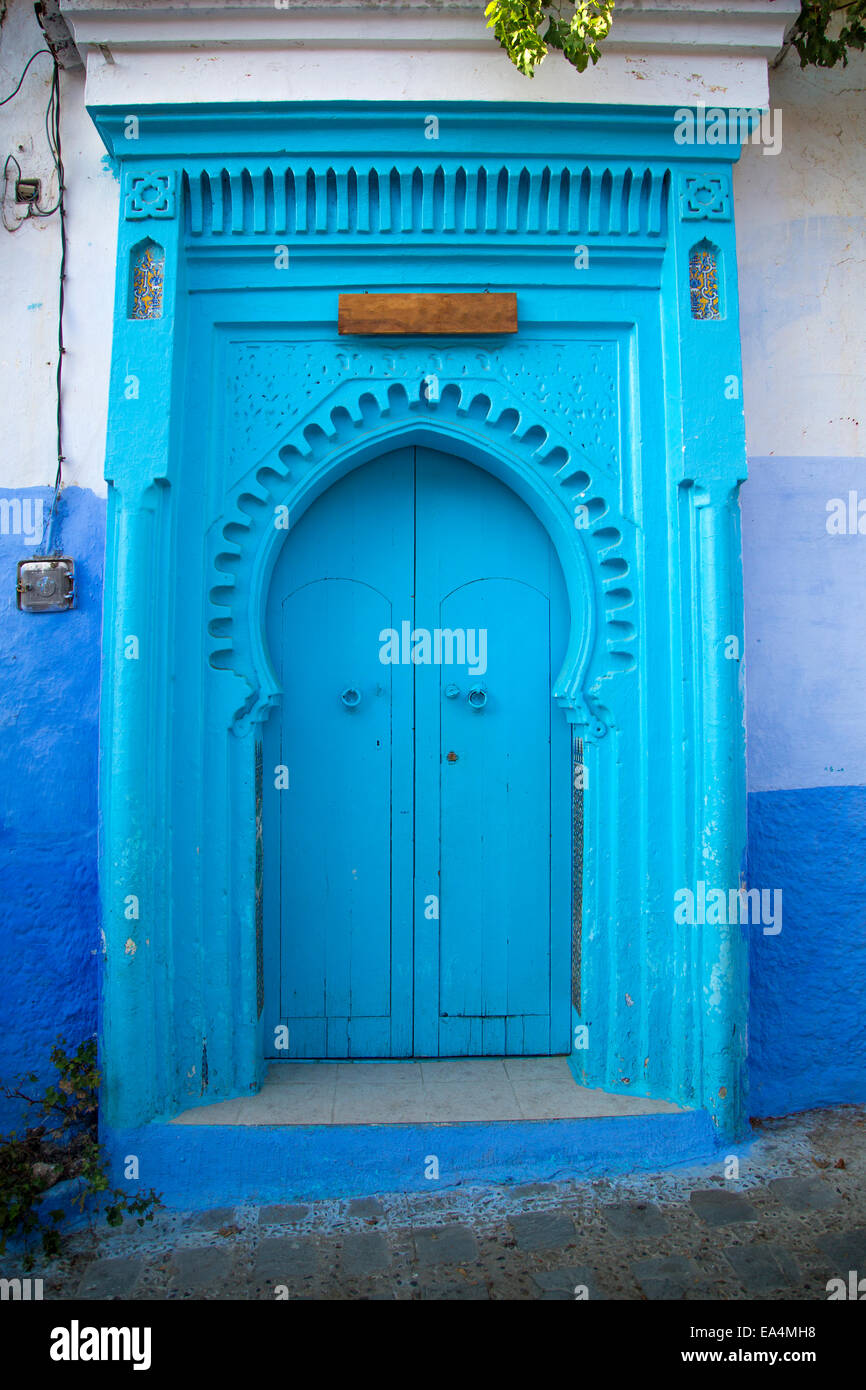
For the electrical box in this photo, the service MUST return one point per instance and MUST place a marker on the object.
(46, 585)
(27, 190)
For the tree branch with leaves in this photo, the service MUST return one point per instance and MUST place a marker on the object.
(823, 34)
(518, 26)
(811, 33)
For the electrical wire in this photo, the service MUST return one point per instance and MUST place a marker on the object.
(10, 159)
(52, 126)
(31, 59)
(52, 133)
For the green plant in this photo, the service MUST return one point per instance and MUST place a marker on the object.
(810, 35)
(63, 1144)
(577, 33)
(577, 29)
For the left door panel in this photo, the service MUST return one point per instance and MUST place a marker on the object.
(338, 852)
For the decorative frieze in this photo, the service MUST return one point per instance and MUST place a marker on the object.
(406, 197)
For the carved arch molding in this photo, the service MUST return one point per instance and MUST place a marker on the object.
(359, 404)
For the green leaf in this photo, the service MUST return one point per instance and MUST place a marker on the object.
(812, 37)
(517, 24)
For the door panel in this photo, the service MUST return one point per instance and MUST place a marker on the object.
(495, 838)
(346, 883)
(339, 900)
(484, 830)
(409, 896)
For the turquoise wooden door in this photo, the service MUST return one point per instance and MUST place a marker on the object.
(418, 862)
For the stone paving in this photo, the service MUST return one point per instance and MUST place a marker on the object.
(793, 1219)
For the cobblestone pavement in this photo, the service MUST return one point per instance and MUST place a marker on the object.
(795, 1218)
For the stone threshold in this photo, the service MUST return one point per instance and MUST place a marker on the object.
(447, 1091)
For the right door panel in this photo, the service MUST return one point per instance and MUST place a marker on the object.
(492, 754)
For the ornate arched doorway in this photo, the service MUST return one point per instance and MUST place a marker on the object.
(418, 848)
(606, 414)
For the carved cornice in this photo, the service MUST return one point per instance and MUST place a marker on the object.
(746, 27)
(659, 52)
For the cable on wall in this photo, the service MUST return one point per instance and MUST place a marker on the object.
(52, 132)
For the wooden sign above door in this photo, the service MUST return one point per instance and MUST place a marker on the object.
(418, 314)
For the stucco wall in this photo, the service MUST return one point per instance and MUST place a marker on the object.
(49, 908)
(29, 269)
(801, 262)
(801, 241)
(49, 665)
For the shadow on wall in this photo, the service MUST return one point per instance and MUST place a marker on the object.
(49, 691)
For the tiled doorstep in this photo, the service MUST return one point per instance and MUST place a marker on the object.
(453, 1090)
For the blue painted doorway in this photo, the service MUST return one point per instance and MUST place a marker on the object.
(417, 777)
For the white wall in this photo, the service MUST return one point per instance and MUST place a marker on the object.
(658, 52)
(29, 276)
(800, 243)
(801, 252)
(801, 237)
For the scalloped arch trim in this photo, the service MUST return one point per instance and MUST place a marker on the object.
(474, 420)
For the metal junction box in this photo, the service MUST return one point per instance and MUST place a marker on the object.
(46, 585)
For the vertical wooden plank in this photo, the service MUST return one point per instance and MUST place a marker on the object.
(483, 820)
(493, 1037)
(399, 531)
(345, 933)
(561, 775)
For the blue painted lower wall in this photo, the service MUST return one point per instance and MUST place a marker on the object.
(49, 687)
(807, 1027)
(804, 578)
(808, 984)
(194, 1166)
